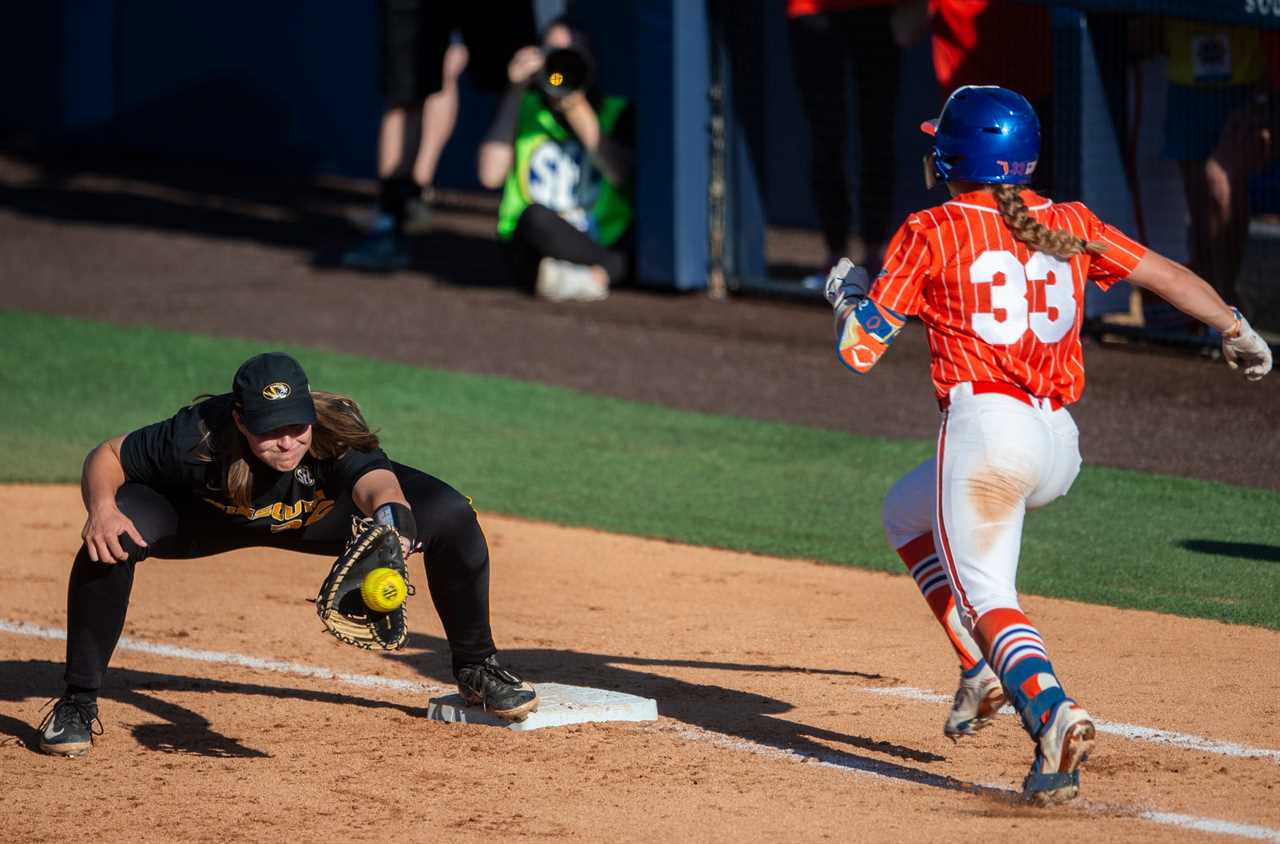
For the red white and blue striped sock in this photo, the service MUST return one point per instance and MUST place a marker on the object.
(922, 561)
(1016, 651)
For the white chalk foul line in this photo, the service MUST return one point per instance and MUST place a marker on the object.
(1213, 825)
(1241, 830)
(833, 760)
(1129, 731)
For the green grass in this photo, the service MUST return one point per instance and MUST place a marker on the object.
(557, 455)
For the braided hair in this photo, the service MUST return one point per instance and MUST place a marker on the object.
(1055, 242)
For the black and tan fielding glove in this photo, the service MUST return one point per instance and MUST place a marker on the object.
(342, 606)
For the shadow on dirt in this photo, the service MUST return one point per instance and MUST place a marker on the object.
(736, 719)
(118, 189)
(184, 731)
(20, 732)
(747, 721)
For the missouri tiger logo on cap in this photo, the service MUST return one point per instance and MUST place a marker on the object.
(276, 391)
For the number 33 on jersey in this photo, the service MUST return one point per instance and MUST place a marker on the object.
(1039, 296)
(995, 310)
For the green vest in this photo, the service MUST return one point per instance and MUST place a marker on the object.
(551, 168)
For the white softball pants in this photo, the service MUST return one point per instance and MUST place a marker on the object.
(997, 458)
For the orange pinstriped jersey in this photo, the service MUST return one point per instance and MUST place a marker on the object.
(993, 309)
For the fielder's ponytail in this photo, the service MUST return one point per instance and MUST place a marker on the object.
(1055, 242)
(339, 427)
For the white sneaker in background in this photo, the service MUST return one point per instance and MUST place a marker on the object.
(562, 281)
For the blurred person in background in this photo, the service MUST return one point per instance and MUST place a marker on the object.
(1221, 120)
(561, 151)
(828, 39)
(998, 42)
(424, 48)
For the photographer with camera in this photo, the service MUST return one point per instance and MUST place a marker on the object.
(561, 152)
(424, 47)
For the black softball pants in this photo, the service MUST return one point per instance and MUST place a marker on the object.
(823, 46)
(542, 233)
(177, 527)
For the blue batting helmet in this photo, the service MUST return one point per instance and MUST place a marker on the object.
(986, 134)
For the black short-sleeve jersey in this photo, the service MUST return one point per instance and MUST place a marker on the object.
(173, 457)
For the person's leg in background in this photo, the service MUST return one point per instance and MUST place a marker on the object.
(1213, 206)
(1248, 147)
(1210, 140)
(416, 67)
(877, 70)
(439, 116)
(1244, 149)
(560, 262)
(818, 60)
(479, 38)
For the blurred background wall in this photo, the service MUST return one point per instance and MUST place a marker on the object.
(293, 85)
(290, 87)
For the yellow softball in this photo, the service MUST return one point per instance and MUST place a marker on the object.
(383, 590)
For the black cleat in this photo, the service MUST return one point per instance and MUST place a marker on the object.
(68, 729)
(498, 690)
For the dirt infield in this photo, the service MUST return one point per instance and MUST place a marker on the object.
(790, 700)
(797, 701)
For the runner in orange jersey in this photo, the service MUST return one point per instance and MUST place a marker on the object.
(997, 276)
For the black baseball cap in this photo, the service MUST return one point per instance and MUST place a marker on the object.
(272, 391)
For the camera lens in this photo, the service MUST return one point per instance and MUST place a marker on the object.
(563, 72)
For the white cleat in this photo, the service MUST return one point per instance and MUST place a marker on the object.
(976, 703)
(1063, 746)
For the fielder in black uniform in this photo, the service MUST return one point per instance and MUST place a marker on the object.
(269, 464)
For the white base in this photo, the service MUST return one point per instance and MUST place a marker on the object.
(558, 705)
